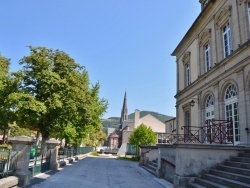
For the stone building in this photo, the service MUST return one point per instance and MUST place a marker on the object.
(213, 68)
(213, 85)
(128, 125)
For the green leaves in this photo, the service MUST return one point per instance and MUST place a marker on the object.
(61, 90)
(142, 135)
(51, 94)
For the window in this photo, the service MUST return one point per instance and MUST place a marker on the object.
(232, 110)
(186, 67)
(210, 116)
(227, 45)
(231, 92)
(187, 123)
(207, 58)
(170, 128)
(209, 101)
(188, 82)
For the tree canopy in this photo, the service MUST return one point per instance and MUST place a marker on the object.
(142, 135)
(54, 96)
(8, 86)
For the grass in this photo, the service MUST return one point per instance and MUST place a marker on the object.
(95, 153)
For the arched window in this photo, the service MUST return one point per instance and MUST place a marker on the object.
(232, 111)
(210, 107)
(209, 101)
(209, 112)
(231, 92)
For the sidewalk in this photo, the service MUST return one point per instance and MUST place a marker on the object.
(164, 183)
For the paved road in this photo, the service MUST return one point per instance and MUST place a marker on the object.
(97, 172)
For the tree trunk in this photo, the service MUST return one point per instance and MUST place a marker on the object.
(4, 136)
(37, 137)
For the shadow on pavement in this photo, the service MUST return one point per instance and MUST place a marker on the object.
(38, 180)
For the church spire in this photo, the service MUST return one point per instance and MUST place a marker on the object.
(124, 113)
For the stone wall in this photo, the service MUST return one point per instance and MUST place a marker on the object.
(180, 163)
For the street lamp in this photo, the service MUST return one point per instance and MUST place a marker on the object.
(193, 101)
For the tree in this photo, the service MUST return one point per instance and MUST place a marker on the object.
(142, 135)
(18, 131)
(95, 138)
(54, 95)
(8, 85)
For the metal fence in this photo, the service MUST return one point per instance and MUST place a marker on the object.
(131, 149)
(215, 131)
(69, 152)
(39, 159)
(8, 162)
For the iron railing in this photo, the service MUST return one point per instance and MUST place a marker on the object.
(220, 131)
(214, 131)
(69, 152)
(8, 162)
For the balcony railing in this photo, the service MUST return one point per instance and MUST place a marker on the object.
(214, 131)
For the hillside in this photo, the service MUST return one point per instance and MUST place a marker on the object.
(113, 122)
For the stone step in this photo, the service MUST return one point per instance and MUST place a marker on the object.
(241, 159)
(237, 164)
(207, 183)
(153, 163)
(151, 167)
(225, 181)
(149, 170)
(229, 175)
(234, 170)
(195, 185)
(247, 154)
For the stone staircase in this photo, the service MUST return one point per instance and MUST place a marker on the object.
(233, 173)
(151, 167)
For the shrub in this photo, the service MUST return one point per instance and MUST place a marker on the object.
(95, 153)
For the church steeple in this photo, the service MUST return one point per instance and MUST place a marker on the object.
(124, 113)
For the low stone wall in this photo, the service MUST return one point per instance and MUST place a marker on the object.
(11, 181)
(167, 162)
(180, 163)
(148, 153)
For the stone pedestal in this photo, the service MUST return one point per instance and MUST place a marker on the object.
(53, 146)
(22, 144)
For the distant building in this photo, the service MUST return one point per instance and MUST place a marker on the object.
(128, 125)
(171, 126)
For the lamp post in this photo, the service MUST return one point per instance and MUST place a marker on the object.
(193, 101)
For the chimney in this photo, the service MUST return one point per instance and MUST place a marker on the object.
(137, 117)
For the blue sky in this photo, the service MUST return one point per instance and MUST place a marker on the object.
(124, 44)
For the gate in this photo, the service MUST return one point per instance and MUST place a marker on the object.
(39, 159)
(131, 149)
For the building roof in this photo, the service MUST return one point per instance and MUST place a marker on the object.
(114, 136)
(189, 32)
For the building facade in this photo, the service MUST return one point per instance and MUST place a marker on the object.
(213, 68)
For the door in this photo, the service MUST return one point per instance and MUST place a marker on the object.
(233, 115)
(232, 112)
(209, 131)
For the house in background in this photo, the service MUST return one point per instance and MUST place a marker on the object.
(171, 126)
(128, 125)
(112, 138)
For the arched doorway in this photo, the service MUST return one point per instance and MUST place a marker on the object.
(232, 111)
(209, 114)
(209, 107)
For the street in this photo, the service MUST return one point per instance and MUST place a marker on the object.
(95, 172)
